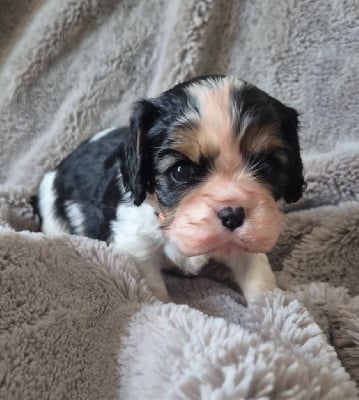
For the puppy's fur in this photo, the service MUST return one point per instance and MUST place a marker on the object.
(196, 176)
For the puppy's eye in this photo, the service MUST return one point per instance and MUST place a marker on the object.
(182, 172)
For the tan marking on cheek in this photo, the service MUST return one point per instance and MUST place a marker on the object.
(152, 200)
(167, 217)
(165, 214)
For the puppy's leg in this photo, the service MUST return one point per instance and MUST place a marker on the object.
(252, 272)
(136, 232)
(151, 271)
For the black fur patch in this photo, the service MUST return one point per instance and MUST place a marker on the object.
(285, 180)
(90, 177)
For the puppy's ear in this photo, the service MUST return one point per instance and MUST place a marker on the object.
(135, 160)
(295, 184)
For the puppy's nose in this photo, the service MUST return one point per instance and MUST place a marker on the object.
(231, 217)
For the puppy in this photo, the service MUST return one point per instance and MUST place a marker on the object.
(196, 176)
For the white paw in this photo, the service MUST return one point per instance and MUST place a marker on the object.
(162, 296)
(258, 288)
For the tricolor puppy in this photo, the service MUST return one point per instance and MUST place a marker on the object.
(196, 176)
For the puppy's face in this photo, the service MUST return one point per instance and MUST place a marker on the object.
(217, 154)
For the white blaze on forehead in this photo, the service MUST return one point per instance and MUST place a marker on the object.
(213, 105)
(216, 130)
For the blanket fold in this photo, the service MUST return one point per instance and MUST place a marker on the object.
(77, 321)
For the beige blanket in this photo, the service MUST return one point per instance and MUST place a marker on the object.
(76, 319)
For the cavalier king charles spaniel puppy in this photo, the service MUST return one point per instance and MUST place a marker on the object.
(196, 176)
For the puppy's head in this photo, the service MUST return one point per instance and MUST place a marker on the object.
(216, 153)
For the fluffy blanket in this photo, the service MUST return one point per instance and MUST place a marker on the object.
(76, 319)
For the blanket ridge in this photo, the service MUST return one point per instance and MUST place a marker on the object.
(76, 318)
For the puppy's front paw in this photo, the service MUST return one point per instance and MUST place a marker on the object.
(257, 288)
(162, 296)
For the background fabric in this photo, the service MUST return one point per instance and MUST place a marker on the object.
(77, 321)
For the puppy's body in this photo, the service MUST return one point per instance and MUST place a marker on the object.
(211, 157)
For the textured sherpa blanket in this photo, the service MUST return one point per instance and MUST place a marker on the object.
(76, 319)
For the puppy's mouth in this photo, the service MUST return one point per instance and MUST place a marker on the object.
(230, 247)
(215, 240)
(238, 222)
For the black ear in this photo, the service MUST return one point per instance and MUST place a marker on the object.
(135, 159)
(295, 183)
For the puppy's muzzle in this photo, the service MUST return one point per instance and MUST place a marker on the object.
(231, 218)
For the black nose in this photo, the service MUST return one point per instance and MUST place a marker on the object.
(231, 218)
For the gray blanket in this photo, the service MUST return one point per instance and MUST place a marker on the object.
(76, 319)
